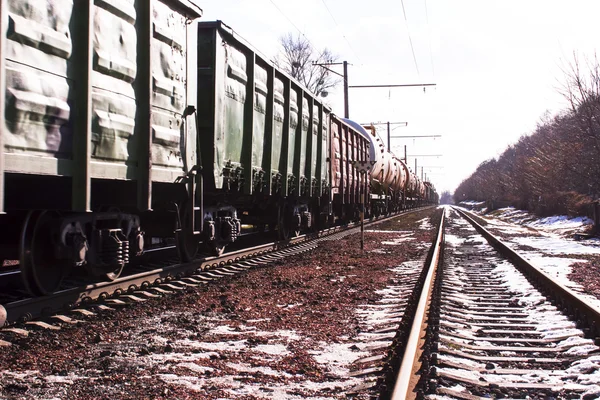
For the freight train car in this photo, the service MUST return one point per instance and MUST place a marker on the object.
(92, 128)
(128, 122)
(263, 142)
(270, 152)
(393, 185)
(125, 123)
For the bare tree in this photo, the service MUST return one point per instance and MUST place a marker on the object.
(299, 59)
(582, 89)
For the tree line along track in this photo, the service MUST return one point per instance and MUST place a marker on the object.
(491, 325)
(156, 278)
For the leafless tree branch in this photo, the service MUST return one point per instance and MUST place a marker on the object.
(298, 58)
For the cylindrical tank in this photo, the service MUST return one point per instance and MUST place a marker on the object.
(411, 187)
(401, 175)
(387, 171)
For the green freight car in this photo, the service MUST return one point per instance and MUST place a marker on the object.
(93, 128)
(128, 124)
(263, 140)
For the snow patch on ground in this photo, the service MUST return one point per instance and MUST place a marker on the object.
(555, 251)
(425, 224)
(337, 357)
(556, 245)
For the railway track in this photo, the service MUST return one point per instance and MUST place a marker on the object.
(490, 325)
(310, 326)
(470, 325)
(154, 277)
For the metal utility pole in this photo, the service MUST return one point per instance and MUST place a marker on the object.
(344, 77)
(346, 108)
(389, 124)
(389, 137)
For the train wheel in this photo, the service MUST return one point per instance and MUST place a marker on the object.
(316, 218)
(285, 221)
(215, 248)
(42, 272)
(187, 246)
(187, 243)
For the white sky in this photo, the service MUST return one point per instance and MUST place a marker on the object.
(497, 65)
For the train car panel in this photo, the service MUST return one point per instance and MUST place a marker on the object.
(302, 151)
(259, 130)
(324, 161)
(277, 136)
(169, 77)
(38, 107)
(344, 163)
(232, 136)
(114, 71)
(294, 114)
(315, 184)
(336, 156)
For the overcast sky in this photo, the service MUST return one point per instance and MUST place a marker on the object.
(497, 65)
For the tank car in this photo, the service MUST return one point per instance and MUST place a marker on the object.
(390, 179)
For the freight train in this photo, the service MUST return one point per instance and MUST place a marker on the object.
(128, 122)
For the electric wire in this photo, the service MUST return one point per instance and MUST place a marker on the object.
(429, 35)
(410, 39)
(291, 22)
(344, 36)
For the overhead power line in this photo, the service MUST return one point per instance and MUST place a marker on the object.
(429, 37)
(409, 38)
(291, 22)
(344, 36)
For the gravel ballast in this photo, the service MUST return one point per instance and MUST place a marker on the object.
(293, 329)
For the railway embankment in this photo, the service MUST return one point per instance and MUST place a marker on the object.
(557, 245)
(308, 326)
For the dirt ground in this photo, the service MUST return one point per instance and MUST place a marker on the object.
(287, 330)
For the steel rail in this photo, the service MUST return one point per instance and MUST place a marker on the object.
(570, 301)
(67, 299)
(407, 378)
